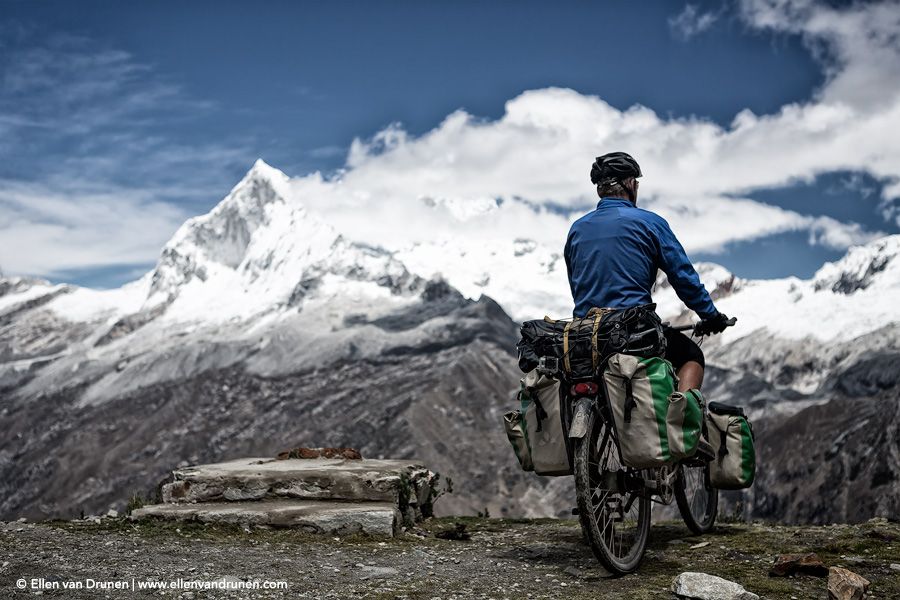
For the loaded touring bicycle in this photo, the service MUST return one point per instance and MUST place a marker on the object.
(600, 403)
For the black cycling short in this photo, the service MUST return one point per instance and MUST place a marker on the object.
(681, 349)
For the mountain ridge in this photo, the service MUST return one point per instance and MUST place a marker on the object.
(295, 317)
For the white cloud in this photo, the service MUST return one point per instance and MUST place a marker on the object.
(85, 120)
(697, 173)
(691, 21)
(834, 234)
(857, 42)
(45, 232)
(482, 181)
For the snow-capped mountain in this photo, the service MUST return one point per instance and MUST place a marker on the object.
(260, 250)
(262, 327)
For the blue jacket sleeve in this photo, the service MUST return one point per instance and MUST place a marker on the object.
(681, 273)
(567, 255)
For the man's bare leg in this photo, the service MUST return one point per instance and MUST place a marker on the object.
(690, 376)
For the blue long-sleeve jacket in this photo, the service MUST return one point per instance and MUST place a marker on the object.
(612, 256)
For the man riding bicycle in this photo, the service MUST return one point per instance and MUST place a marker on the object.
(598, 401)
(614, 252)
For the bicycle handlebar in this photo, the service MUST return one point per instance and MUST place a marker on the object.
(729, 323)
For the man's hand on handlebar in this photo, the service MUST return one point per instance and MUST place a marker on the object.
(716, 324)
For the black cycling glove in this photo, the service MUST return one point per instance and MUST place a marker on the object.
(716, 324)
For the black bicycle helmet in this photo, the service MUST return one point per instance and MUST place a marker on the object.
(614, 166)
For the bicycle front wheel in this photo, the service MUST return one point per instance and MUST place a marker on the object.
(613, 505)
(698, 500)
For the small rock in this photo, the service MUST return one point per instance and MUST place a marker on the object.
(421, 554)
(709, 587)
(895, 567)
(457, 533)
(112, 513)
(573, 572)
(846, 585)
(792, 564)
(371, 572)
(700, 545)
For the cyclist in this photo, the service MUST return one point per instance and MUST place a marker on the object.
(613, 254)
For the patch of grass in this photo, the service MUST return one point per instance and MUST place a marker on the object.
(135, 502)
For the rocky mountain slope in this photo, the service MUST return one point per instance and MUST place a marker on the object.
(816, 363)
(260, 329)
(263, 328)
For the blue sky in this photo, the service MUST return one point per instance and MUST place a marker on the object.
(118, 120)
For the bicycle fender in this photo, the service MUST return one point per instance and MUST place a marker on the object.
(579, 418)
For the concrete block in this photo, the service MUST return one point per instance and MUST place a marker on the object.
(319, 479)
(332, 518)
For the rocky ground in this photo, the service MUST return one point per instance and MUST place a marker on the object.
(503, 558)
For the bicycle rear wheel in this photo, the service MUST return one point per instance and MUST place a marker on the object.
(698, 500)
(613, 505)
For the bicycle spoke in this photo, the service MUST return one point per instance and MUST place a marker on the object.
(615, 520)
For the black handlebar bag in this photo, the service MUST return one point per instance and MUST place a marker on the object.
(579, 347)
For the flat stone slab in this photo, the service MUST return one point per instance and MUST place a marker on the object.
(332, 518)
(313, 479)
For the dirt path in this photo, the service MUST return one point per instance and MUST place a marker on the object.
(503, 559)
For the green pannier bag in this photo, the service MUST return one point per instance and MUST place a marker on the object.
(731, 437)
(655, 424)
(536, 429)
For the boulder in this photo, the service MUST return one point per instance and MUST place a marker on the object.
(844, 584)
(709, 587)
(793, 564)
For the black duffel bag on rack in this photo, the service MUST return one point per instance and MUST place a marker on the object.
(577, 347)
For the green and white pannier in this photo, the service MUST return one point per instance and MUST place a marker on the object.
(656, 425)
(731, 437)
(536, 429)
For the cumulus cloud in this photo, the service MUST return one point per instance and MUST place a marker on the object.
(697, 173)
(691, 21)
(857, 43)
(525, 175)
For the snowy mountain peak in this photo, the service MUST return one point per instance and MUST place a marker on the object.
(261, 166)
(260, 249)
(873, 264)
(221, 238)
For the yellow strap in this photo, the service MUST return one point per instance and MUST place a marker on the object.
(566, 364)
(595, 356)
